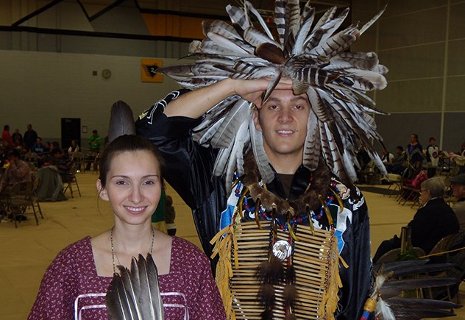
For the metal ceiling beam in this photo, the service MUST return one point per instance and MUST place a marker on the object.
(55, 2)
(95, 34)
(83, 8)
(184, 14)
(107, 8)
(16, 25)
(36, 12)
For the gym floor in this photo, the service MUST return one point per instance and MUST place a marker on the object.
(29, 249)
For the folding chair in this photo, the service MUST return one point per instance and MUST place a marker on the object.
(69, 179)
(396, 184)
(450, 249)
(22, 197)
(411, 189)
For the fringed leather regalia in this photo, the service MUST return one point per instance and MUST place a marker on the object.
(279, 257)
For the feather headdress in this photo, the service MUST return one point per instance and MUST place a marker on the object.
(314, 54)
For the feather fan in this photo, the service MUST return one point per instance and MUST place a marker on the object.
(396, 279)
(134, 294)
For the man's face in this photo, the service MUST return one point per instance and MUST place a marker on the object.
(425, 196)
(283, 123)
(458, 190)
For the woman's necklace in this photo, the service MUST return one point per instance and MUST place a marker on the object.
(113, 253)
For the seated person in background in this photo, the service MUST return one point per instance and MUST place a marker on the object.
(73, 149)
(397, 166)
(387, 157)
(433, 221)
(40, 149)
(459, 158)
(457, 184)
(50, 184)
(18, 171)
(432, 156)
(17, 138)
(60, 160)
(432, 152)
(55, 147)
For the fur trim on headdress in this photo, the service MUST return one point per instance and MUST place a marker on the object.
(315, 56)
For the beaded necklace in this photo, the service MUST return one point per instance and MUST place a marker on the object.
(113, 253)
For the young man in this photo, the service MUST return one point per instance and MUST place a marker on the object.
(254, 158)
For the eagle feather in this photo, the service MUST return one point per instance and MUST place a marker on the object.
(134, 294)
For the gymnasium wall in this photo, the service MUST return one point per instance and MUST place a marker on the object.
(46, 76)
(423, 44)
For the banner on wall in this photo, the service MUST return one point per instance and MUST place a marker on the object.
(149, 70)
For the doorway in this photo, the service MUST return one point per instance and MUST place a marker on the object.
(70, 130)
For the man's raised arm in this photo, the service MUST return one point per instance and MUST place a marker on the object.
(201, 100)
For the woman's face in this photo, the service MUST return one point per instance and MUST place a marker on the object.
(133, 186)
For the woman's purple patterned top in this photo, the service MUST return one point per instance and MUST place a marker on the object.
(71, 288)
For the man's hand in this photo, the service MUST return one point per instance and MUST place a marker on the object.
(253, 90)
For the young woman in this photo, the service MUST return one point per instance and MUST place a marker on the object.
(75, 284)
